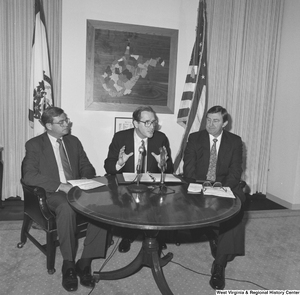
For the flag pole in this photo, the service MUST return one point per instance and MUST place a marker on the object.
(41, 82)
(193, 101)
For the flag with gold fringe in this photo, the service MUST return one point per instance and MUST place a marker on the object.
(193, 100)
(41, 83)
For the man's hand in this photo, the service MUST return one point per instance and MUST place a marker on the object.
(123, 157)
(65, 187)
(157, 157)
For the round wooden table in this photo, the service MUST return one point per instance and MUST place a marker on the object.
(151, 211)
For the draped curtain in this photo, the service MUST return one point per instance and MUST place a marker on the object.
(16, 30)
(243, 49)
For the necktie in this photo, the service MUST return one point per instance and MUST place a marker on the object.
(211, 174)
(65, 161)
(143, 164)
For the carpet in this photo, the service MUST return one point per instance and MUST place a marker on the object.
(272, 261)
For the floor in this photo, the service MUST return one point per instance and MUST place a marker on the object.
(260, 202)
(12, 208)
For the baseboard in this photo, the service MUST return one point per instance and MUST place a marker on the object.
(283, 202)
(271, 214)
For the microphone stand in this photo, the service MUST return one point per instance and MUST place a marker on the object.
(137, 187)
(162, 189)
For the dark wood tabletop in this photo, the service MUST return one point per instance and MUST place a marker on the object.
(160, 207)
(117, 205)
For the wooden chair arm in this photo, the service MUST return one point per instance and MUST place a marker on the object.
(40, 193)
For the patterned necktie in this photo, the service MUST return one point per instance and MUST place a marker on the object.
(65, 161)
(143, 164)
(211, 173)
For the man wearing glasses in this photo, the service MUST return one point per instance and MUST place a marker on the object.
(126, 145)
(51, 159)
(215, 155)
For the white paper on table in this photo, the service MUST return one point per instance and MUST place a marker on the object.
(150, 177)
(195, 188)
(224, 192)
(85, 184)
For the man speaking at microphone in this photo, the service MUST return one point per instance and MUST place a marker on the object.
(138, 147)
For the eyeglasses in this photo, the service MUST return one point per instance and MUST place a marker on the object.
(208, 184)
(149, 123)
(62, 122)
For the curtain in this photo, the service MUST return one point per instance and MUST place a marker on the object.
(243, 49)
(16, 31)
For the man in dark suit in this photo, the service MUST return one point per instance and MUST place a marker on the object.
(43, 166)
(124, 150)
(229, 241)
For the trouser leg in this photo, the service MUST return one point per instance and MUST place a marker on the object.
(231, 240)
(65, 223)
(95, 242)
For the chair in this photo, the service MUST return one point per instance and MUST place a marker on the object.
(36, 210)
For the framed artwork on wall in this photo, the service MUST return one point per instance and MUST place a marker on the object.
(123, 123)
(130, 65)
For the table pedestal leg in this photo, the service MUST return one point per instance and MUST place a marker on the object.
(149, 256)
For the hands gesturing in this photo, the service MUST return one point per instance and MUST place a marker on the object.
(123, 157)
(157, 157)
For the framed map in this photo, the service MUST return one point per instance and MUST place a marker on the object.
(130, 65)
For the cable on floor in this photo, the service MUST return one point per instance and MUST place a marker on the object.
(112, 253)
(207, 275)
(109, 257)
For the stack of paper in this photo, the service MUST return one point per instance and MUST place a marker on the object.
(150, 177)
(195, 188)
(224, 192)
(85, 184)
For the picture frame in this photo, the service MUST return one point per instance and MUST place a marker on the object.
(123, 123)
(130, 65)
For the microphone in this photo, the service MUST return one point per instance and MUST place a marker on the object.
(137, 187)
(163, 160)
(139, 163)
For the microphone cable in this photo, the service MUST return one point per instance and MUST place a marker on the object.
(110, 256)
(112, 253)
(208, 275)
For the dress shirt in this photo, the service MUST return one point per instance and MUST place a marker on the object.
(211, 141)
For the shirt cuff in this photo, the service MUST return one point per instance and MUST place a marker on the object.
(119, 167)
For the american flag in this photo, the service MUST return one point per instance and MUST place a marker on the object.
(41, 83)
(193, 100)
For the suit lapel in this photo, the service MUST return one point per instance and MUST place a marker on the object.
(206, 152)
(70, 152)
(129, 143)
(49, 155)
(222, 150)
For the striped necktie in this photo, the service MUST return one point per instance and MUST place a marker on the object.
(211, 173)
(65, 161)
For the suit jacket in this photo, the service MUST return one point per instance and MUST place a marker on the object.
(39, 165)
(126, 137)
(229, 163)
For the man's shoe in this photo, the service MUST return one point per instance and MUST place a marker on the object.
(217, 280)
(69, 280)
(85, 276)
(124, 246)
